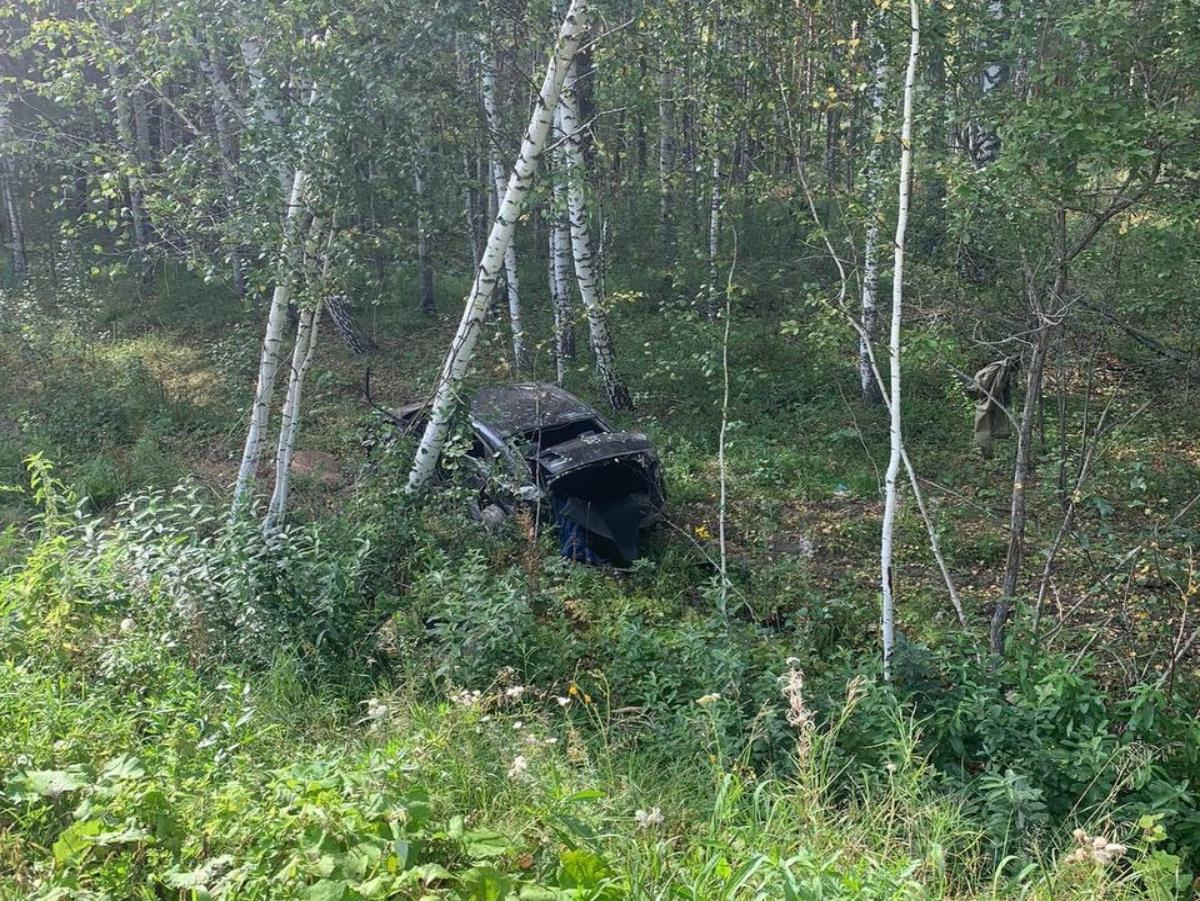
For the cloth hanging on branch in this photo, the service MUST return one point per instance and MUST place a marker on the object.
(991, 389)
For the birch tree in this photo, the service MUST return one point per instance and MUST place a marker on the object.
(586, 270)
(462, 347)
(487, 74)
(302, 355)
(560, 279)
(8, 196)
(894, 344)
(868, 386)
(268, 366)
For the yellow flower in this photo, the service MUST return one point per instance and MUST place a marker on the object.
(703, 533)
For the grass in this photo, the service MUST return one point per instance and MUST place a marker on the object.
(188, 760)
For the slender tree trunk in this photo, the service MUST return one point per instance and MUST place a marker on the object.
(129, 148)
(471, 208)
(1022, 467)
(341, 316)
(488, 79)
(462, 347)
(267, 108)
(586, 273)
(714, 237)
(225, 117)
(8, 196)
(894, 345)
(869, 388)
(424, 259)
(560, 280)
(302, 354)
(666, 163)
(268, 366)
(984, 145)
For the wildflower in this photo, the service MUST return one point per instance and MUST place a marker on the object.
(518, 725)
(648, 818)
(1096, 849)
(563, 701)
(703, 532)
(514, 692)
(519, 769)
(709, 699)
(376, 709)
(890, 767)
(799, 715)
(466, 698)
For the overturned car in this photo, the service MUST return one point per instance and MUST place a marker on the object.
(536, 444)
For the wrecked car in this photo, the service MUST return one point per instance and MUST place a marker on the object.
(538, 445)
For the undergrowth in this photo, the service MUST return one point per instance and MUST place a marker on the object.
(366, 707)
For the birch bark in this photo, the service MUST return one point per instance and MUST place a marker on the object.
(488, 78)
(560, 280)
(268, 366)
(586, 273)
(868, 386)
(666, 162)
(132, 164)
(424, 261)
(225, 114)
(12, 210)
(888, 619)
(289, 428)
(462, 347)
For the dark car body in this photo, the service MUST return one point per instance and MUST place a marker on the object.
(537, 444)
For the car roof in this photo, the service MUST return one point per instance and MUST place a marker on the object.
(515, 409)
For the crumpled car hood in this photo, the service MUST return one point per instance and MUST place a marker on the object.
(570, 456)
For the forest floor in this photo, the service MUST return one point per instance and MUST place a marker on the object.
(127, 389)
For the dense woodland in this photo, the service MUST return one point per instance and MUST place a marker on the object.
(903, 293)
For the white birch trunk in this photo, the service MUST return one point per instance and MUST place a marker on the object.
(129, 147)
(868, 386)
(424, 261)
(714, 236)
(666, 163)
(225, 112)
(268, 366)
(289, 428)
(462, 347)
(888, 619)
(12, 210)
(268, 109)
(560, 281)
(581, 244)
(984, 143)
(492, 119)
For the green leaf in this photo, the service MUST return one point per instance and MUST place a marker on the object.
(485, 843)
(33, 784)
(74, 840)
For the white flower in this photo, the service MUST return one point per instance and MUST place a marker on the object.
(709, 699)
(514, 693)
(563, 701)
(519, 768)
(890, 767)
(1096, 849)
(466, 698)
(648, 818)
(518, 725)
(376, 709)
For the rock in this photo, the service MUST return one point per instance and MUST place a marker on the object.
(319, 466)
